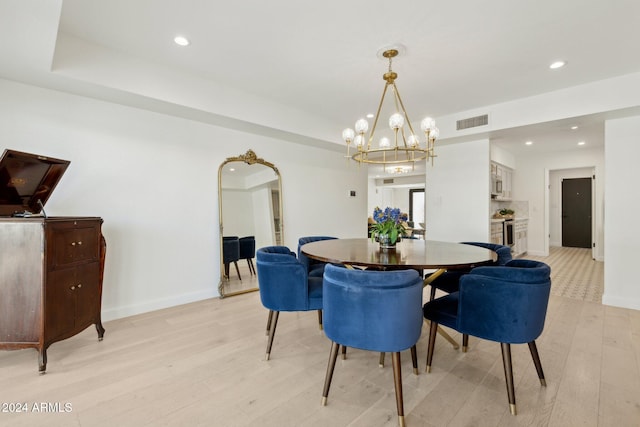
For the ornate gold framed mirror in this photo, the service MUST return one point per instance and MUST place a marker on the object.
(250, 212)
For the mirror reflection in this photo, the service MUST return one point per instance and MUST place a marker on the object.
(250, 210)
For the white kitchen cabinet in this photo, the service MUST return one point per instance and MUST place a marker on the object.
(501, 181)
(497, 232)
(520, 232)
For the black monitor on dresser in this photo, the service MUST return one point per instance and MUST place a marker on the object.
(26, 181)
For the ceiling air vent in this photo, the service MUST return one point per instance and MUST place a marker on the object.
(387, 181)
(472, 122)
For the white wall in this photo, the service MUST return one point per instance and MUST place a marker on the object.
(237, 212)
(622, 243)
(457, 193)
(529, 183)
(153, 178)
(263, 221)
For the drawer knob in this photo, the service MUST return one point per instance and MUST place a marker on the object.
(73, 288)
(76, 243)
(79, 285)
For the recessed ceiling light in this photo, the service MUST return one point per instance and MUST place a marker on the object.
(581, 143)
(557, 64)
(574, 127)
(181, 40)
(232, 170)
(529, 143)
(370, 116)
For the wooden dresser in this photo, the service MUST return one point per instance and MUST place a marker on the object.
(51, 273)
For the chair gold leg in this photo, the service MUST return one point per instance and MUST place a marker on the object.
(269, 318)
(414, 359)
(333, 355)
(320, 319)
(508, 376)
(397, 379)
(272, 332)
(344, 352)
(433, 330)
(536, 361)
(465, 342)
(381, 361)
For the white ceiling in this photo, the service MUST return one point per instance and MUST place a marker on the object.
(321, 57)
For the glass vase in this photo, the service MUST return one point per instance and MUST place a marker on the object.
(385, 242)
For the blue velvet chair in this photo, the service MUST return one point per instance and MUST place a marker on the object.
(379, 311)
(230, 254)
(315, 268)
(248, 251)
(285, 286)
(449, 281)
(506, 304)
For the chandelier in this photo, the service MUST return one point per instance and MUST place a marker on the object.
(406, 147)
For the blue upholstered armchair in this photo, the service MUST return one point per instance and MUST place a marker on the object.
(230, 254)
(285, 286)
(448, 281)
(314, 267)
(379, 311)
(506, 304)
(248, 251)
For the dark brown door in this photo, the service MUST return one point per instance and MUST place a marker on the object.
(576, 212)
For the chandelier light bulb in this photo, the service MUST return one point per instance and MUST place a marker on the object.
(348, 135)
(359, 140)
(362, 126)
(435, 133)
(384, 142)
(427, 124)
(413, 141)
(396, 121)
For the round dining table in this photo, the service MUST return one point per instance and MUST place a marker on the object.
(408, 254)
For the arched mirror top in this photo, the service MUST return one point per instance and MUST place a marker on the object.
(250, 158)
(250, 206)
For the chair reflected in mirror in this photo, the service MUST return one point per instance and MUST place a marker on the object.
(248, 251)
(230, 254)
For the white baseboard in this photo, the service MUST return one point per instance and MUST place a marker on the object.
(631, 303)
(158, 304)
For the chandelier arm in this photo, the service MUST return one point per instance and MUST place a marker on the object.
(375, 122)
(404, 139)
(406, 116)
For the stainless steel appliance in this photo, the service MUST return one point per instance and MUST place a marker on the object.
(508, 227)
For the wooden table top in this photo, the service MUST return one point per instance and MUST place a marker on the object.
(409, 253)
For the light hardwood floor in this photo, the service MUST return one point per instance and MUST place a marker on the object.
(202, 364)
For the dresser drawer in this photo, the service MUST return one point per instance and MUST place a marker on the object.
(73, 242)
